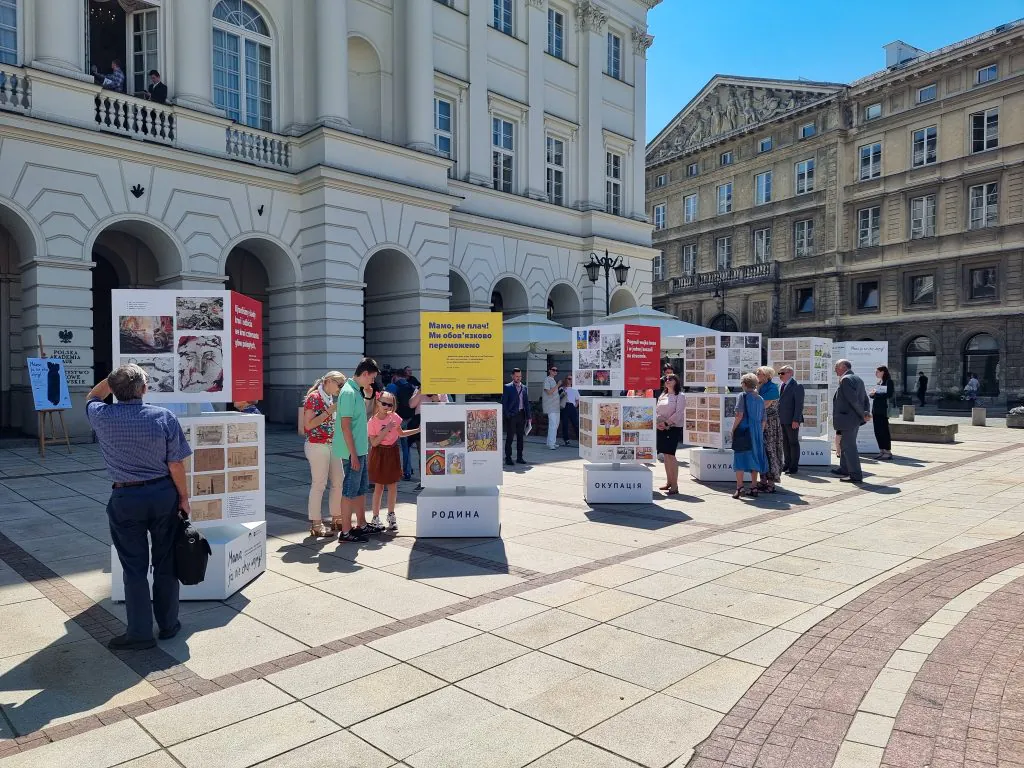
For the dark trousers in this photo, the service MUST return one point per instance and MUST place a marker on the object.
(569, 413)
(849, 458)
(920, 397)
(515, 425)
(133, 513)
(790, 447)
(880, 421)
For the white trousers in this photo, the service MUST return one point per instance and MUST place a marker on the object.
(323, 468)
(553, 419)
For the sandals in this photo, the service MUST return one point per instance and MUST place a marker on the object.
(671, 490)
(664, 487)
(321, 531)
(739, 492)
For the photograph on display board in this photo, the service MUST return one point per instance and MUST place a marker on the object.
(146, 334)
(609, 424)
(644, 453)
(590, 359)
(611, 350)
(243, 456)
(585, 409)
(200, 364)
(208, 485)
(482, 430)
(581, 339)
(602, 378)
(247, 432)
(456, 462)
(638, 417)
(199, 313)
(241, 482)
(594, 339)
(159, 370)
(206, 511)
(208, 459)
(210, 434)
(445, 434)
(584, 378)
(434, 464)
(625, 453)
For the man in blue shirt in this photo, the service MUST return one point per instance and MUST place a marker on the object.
(515, 411)
(144, 449)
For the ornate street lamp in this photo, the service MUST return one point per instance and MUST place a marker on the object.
(608, 264)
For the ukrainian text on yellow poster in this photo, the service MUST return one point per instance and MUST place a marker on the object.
(461, 353)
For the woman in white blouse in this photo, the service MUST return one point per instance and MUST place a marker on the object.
(671, 418)
(570, 402)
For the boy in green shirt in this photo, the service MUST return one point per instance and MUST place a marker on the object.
(352, 445)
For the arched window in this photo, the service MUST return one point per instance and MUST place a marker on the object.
(497, 302)
(919, 357)
(9, 32)
(241, 63)
(981, 357)
(723, 323)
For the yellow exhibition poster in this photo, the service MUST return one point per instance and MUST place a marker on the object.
(461, 353)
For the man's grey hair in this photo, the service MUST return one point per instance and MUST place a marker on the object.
(786, 369)
(847, 365)
(128, 382)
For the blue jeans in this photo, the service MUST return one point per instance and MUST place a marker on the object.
(133, 513)
(356, 482)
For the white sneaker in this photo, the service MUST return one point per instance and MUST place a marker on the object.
(552, 447)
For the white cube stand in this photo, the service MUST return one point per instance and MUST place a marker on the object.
(618, 484)
(458, 512)
(712, 465)
(815, 453)
(239, 556)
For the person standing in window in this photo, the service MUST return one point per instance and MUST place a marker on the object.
(880, 395)
(318, 423)
(570, 401)
(157, 89)
(922, 387)
(115, 80)
(972, 387)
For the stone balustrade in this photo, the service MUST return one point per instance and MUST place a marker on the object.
(251, 145)
(137, 118)
(14, 90)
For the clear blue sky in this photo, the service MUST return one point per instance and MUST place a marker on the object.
(814, 39)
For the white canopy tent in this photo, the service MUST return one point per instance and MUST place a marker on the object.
(672, 328)
(533, 332)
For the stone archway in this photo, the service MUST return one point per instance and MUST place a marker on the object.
(391, 309)
(17, 245)
(725, 323)
(365, 87)
(509, 296)
(564, 305)
(461, 298)
(622, 298)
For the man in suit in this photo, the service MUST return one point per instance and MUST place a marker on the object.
(791, 416)
(922, 387)
(515, 412)
(851, 409)
(157, 90)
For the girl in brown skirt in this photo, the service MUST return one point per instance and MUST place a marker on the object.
(385, 462)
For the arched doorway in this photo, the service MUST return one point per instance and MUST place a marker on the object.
(621, 299)
(981, 357)
(460, 298)
(919, 357)
(365, 94)
(723, 323)
(391, 310)
(510, 298)
(564, 305)
(16, 246)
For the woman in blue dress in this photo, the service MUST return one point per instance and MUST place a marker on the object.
(748, 436)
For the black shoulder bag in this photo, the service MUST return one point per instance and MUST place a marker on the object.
(741, 438)
(191, 553)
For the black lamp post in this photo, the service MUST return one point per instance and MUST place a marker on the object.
(608, 264)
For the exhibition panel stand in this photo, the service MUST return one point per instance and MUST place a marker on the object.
(865, 356)
(812, 363)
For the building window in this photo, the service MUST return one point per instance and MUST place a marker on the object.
(925, 146)
(922, 291)
(870, 161)
(9, 32)
(658, 266)
(613, 183)
(145, 45)
(984, 205)
(556, 33)
(868, 221)
(689, 209)
(928, 93)
(241, 64)
(762, 245)
(765, 144)
(985, 130)
(763, 188)
(659, 217)
(803, 238)
(503, 16)
(866, 295)
(689, 259)
(922, 217)
(723, 253)
(503, 156)
(615, 56)
(725, 198)
(692, 169)
(660, 180)
(986, 74)
(918, 358)
(983, 283)
(981, 358)
(725, 158)
(805, 176)
(803, 301)
(807, 130)
(873, 111)
(555, 157)
(443, 126)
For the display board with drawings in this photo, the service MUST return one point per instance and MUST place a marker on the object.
(460, 445)
(597, 361)
(719, 360)
(617, 429)
(810, 357)
(226, 472)
(709, 419)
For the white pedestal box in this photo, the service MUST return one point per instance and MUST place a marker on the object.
(816, 453)
(710, 465)
(239, 556)
(627, 484)
(451, 513)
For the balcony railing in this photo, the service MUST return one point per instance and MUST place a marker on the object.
(751, 273)
(257, 147)
(14, 90)
(133, 117)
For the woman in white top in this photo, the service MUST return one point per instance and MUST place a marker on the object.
(671, 418)
(570, 403)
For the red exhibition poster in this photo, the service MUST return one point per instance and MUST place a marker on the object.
(642, 357)
(246, 348)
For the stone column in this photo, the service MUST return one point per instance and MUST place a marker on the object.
(59, 40)
(641, 42)
(192, 80)
(479, 123)
(331, 22)
(419, 74)
(591, 21)
(536, 184)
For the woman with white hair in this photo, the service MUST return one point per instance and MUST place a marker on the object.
(748, 436)
(773, 442)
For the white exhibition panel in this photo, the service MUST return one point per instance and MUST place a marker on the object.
(865, 356)
(461, 445)
(445, 513)
(617, 429)
(709, 419)
(816, 453)
(809, 356)
(597, 359)
(719, 359)
(625, 484)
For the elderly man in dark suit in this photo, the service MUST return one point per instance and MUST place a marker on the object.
(515, 412)
(791, 416)
(851, 409)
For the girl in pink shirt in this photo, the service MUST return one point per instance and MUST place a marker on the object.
(385, 462)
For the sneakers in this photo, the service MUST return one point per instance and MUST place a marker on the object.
(419, 487)
(352, 535)
(566, 443)
(373, 527)
(552, 447)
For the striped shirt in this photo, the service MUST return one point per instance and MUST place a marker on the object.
(137, 440)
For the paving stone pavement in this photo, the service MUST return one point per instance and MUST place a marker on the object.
(822, 626)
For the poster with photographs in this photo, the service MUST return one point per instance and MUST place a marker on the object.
(226, 473)
(809, 357)
(616, 357)
(709, 420)
(719, 360)
(617, 429)
(461, 444)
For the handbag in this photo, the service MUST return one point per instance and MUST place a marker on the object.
(191, 553)
(742, 439)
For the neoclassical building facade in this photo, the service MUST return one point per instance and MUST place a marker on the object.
(351, 163)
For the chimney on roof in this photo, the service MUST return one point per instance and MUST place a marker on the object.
(898, 52)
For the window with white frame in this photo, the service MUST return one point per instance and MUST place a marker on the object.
(725, 197)
(925, 146)
(868, 226)
(986, 74)
(870, 161)
(660, 180)
(762, 245)
(927, 93)
(555, 159)
(613, 183)
(763, 188)
(805, 176)
(723, 253)
(145, 46)
(9, 32)
(688, 259)
(692, 169)
(443, 135)
(503, 154)
(503, 16)
(242, 84)
(725, 158)
(615, 56)
(922, 217)
(765, 144)
(985, 130)
(690, 208)
(659, 216)
(556, 33)
(658, 266)
(873, 111)
(803, 238)
(984, 205)
(807, 130)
